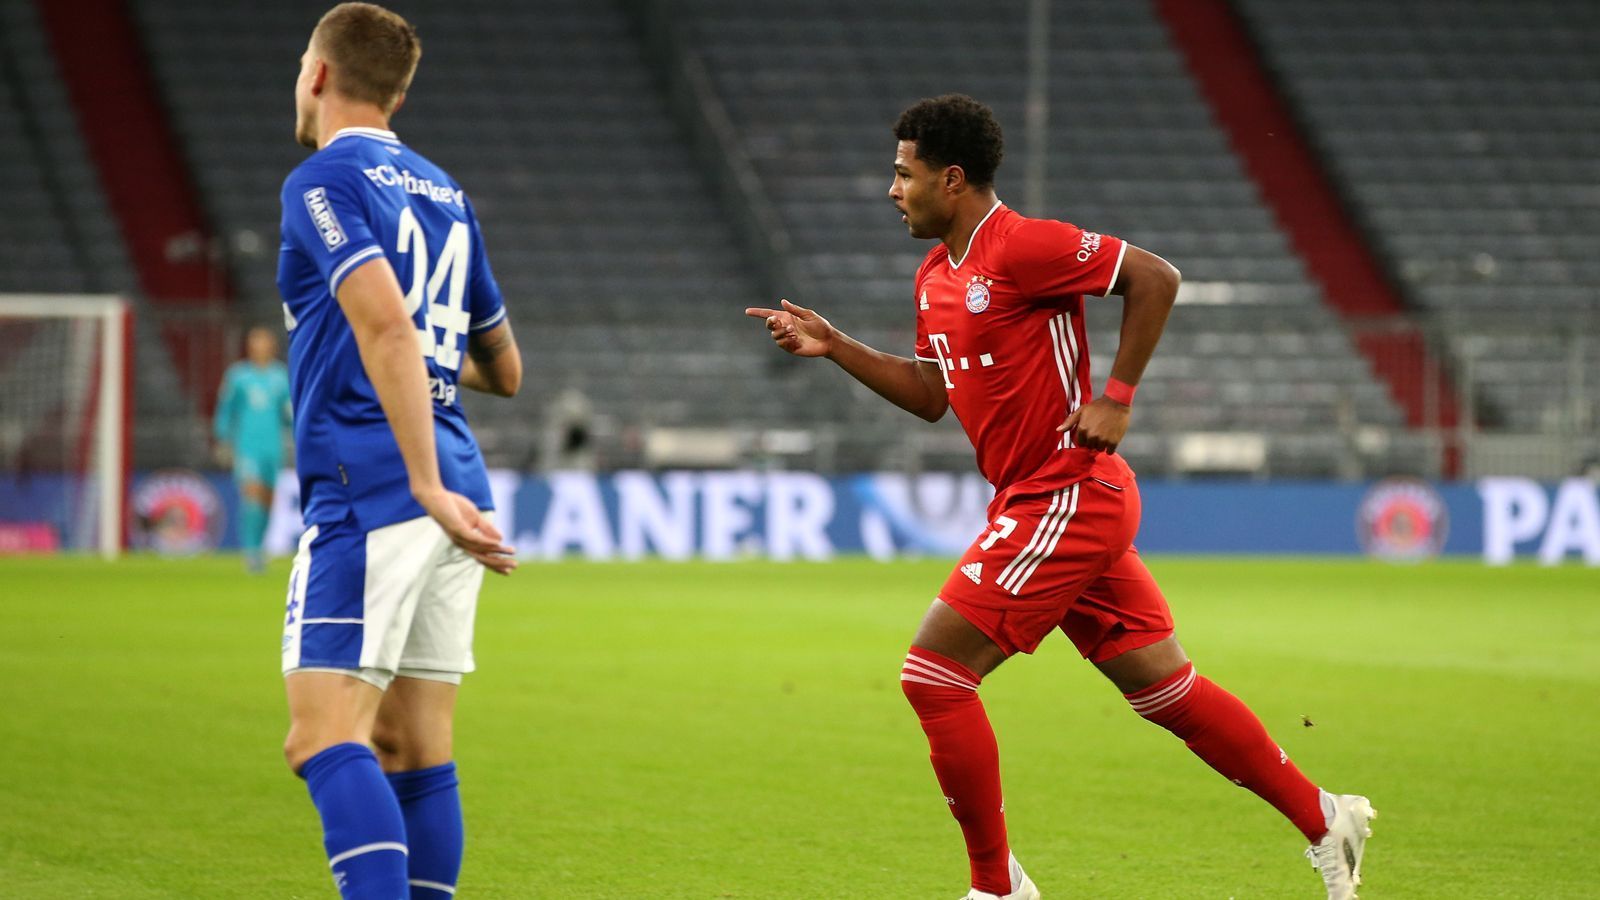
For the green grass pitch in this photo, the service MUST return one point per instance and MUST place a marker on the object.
(707, 731)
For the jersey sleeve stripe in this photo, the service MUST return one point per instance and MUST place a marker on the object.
(926, 359)
(490, 322)
(1121, 252)
(348, 266)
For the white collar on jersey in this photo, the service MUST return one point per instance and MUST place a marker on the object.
(358, 131)
(967, 252)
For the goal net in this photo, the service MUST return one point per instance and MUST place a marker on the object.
(64, 406)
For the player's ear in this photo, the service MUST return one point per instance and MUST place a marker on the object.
(319, 78)
(954, 178)
(398, 102)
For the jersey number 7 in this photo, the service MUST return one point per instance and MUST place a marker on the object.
(1005, 525)
(449, 316)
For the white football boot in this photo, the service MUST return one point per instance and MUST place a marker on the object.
(1022, 887)
(1338, 855)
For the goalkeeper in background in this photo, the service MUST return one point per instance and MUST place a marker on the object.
(252, 416)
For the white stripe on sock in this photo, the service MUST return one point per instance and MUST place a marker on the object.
(907, 676)
(1166, 694)
(935, 667)
(927, 673)
(433, 886)
(368, 848)
(1144, 706)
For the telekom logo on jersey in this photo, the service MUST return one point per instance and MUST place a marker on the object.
(949, 363)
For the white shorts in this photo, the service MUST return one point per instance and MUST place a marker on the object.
(399, 600)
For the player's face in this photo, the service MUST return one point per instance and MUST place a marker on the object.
(918, 192)
(261, 346)
(305, 103)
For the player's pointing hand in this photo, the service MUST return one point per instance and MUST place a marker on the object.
(796, 329)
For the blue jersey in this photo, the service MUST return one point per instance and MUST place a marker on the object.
(362, 196)
(253, 407)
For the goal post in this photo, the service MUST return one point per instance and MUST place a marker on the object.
(65, 376)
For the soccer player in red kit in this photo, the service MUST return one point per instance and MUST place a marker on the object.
(1001, 341)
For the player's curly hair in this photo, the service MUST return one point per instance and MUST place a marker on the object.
(954, 130)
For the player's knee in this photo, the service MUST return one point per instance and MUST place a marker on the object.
(400, 750)
(930, 681)
(307, 739)
(298, 747)
(395, 753)
(386, 740)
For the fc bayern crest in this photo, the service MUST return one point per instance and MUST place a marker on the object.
(1403, 520)
(978, 294)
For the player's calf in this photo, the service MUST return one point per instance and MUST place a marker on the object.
(413, 736)
(965, 759)
(1221, 730)
(363, 831)
(430, 802)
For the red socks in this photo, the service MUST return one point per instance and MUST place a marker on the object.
(1224, 732)
(965, 759)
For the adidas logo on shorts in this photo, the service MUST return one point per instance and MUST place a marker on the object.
(973, 570)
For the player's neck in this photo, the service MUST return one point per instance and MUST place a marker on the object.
(336, 117)
(971, 210)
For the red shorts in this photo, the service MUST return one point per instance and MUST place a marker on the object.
(1062, 560)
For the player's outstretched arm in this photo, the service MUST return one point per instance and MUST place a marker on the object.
(371, 299)
(493, 364)
(1149, 286)
(914, 386)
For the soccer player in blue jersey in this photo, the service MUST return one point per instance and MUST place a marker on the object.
(252, 412)
(390, 307)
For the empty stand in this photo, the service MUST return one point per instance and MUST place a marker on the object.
(58, 233)
(815, 86)
(602, 233)
(1468, 136)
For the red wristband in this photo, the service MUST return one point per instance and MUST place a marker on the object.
(1120, 391)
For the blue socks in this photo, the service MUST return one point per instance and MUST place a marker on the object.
(432, 808)
(372, 821)
(362, 828)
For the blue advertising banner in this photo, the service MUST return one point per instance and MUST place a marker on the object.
(800, 515)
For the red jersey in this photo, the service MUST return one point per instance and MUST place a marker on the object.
(1005, 326)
